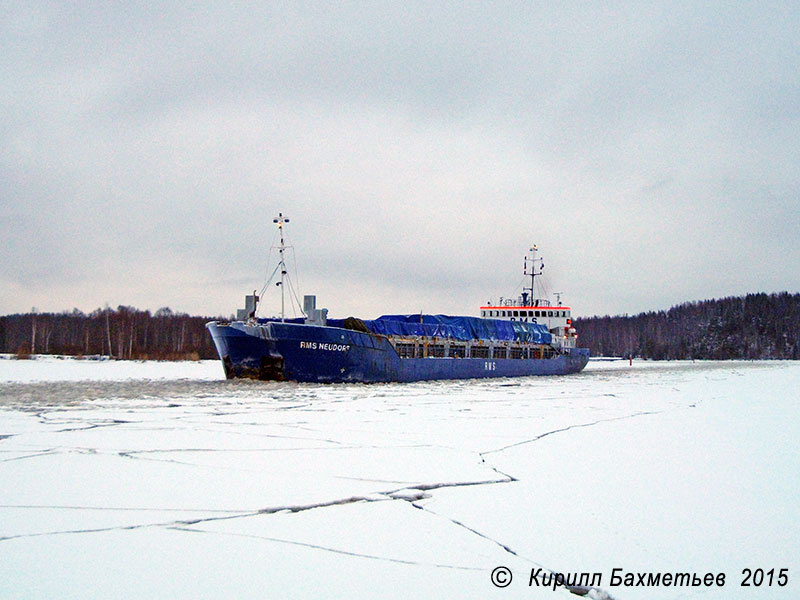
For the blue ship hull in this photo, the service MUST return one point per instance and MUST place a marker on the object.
(324, 354)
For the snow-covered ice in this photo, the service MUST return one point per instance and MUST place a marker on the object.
(161, 480)
(60, 368)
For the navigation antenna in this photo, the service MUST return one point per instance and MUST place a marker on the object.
(280, 220)
(534, 263)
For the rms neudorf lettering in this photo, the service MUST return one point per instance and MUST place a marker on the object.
(324, 346)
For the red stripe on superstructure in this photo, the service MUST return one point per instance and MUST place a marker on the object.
(525, 308)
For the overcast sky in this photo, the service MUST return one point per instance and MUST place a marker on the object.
(650, 149)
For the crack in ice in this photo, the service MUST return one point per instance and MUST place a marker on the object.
(330, 549)
(562, 429)
(576, 589)
(49, 452)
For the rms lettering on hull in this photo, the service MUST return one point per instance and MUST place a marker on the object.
(324, 346)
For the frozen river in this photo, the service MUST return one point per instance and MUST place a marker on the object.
(160, 480)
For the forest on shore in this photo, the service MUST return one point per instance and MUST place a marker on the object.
(755, 326)
(124, 333)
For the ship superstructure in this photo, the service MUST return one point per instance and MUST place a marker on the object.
(527, 308)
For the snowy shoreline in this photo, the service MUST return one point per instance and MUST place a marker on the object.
(45, 367)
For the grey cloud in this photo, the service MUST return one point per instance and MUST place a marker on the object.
(418, 148)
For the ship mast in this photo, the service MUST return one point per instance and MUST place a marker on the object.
(533, 262)
(280, 220)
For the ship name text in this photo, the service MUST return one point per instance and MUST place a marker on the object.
(324, 346)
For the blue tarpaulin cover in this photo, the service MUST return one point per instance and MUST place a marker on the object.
(457, 328)
(444, 326)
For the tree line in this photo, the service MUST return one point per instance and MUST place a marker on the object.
(124, 333)
(755, 326)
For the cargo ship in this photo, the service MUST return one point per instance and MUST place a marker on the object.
(517, 337)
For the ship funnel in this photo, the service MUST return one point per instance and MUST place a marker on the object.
(314, 316)
(249, 310)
